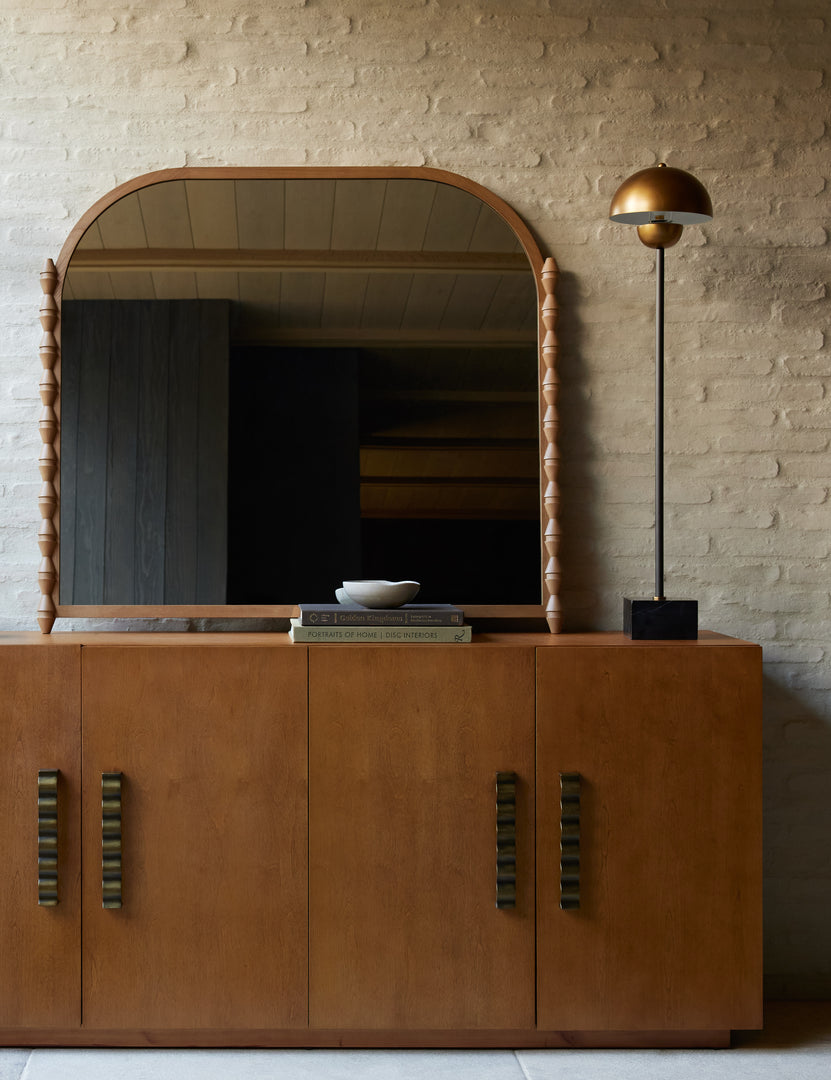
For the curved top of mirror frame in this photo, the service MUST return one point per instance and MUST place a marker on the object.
(85, 246)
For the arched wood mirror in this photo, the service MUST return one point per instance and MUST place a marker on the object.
(259, 382)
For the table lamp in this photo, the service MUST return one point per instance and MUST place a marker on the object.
(660, 201)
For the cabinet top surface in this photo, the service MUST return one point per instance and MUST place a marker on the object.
(276, 640)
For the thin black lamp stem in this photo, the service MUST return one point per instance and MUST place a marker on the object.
(659, 424)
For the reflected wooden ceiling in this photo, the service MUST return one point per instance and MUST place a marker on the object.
(318, 261)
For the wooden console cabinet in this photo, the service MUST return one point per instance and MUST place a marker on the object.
(308, 841)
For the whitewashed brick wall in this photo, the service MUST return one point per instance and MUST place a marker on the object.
(551, 105)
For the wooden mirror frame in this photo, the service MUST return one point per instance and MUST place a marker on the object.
(51, 280)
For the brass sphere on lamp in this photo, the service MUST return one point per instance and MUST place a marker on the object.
(660, 201)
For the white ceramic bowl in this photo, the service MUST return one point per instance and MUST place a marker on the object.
(381, 594)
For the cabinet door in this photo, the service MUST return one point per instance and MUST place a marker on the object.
(40, 946)
(667, 742)
(405, 744)
(211, 744)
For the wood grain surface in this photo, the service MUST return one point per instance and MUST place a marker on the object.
(393, 880)
(405, 744)
(40, 947)
(212, 747)
(668, 745)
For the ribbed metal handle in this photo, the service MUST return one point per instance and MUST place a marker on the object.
(111, 884)
(569, 841)
(48, 837)
(506, 839)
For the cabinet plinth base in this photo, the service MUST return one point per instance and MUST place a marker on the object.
(314, 1038)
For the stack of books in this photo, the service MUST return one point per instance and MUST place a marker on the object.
(408, 624)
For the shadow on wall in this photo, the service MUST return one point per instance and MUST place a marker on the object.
(582, 568)
(797, 846)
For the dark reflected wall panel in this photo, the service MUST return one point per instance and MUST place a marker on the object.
(144, 451)
(294, 510)
(458, 561)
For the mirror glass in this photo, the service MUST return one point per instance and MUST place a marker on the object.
(270, 385)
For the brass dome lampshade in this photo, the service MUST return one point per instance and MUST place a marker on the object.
(660, 201)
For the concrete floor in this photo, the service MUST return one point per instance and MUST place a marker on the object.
(795, 1045)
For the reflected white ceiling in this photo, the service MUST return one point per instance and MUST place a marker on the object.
(318, 261)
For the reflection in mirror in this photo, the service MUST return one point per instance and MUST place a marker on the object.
(270, 385)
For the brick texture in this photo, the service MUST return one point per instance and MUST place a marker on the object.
(551, 108)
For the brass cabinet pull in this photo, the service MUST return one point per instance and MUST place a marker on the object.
(48, 837)
(506, 839)
(569, 841)
(111, 839)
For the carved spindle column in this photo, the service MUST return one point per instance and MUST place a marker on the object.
(48, 460)
(551, 494)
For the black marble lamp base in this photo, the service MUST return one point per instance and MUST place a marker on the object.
(660, 620)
